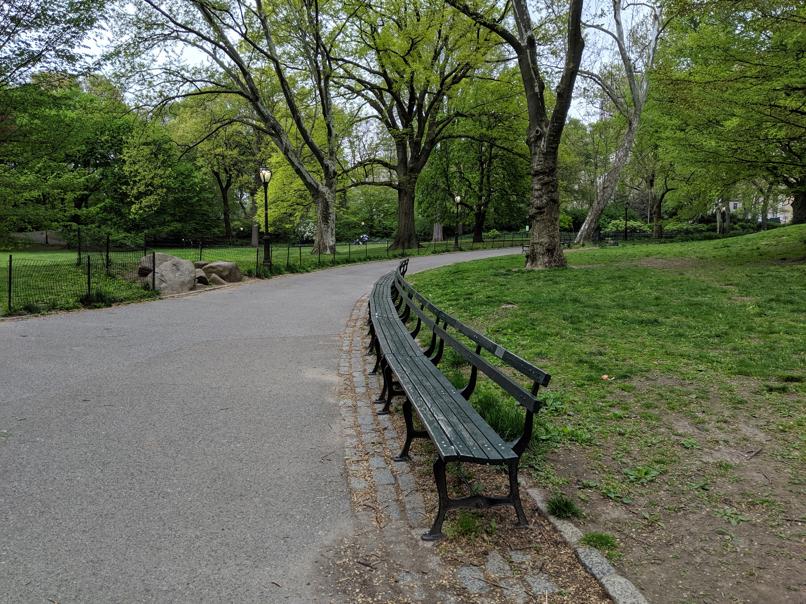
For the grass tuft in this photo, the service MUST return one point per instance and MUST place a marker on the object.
(561, 506)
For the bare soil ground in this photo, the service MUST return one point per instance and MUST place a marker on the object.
(726, 526)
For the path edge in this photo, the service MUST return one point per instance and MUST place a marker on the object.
(619, 588)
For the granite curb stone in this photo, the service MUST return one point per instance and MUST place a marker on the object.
(621, 590)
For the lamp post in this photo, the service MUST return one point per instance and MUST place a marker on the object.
(265, 177)
(457, 200)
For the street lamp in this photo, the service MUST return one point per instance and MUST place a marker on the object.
(265, 177)
(457, 200)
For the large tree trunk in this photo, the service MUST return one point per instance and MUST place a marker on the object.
(224, 187)
(607, 187)
(799, 206)
(406, 234)
(478, 226)
(325, 237)
(545, 249)
(437, 233)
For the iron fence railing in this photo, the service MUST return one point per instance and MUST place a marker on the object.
(99, 274)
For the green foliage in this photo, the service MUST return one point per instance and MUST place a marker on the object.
(633, 226)
(731, 515)
(563, 507)
(726, 110)
(601, 541)
(642, 474)
(464, 524)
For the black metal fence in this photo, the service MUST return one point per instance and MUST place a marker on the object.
(98, 274)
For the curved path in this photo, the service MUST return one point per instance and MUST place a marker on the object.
(188, 449)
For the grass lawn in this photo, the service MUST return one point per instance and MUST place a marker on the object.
(675, 419)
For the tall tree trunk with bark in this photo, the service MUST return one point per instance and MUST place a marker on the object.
(325, 234)
(607, 187)
(545, 129)
(799, 202)
(406, 233)
(224, 185)
(545, 247)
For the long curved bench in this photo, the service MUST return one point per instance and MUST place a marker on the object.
(397, 315)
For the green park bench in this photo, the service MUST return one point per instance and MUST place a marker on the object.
(397, 314)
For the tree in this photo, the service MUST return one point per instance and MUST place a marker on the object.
(730, 88)
(208, 130)
(482, 157)
(277, 57)
(545, 127)
(408, 57)
(636, 47)
(36, 34)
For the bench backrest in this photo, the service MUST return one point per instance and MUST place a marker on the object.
(438, 321)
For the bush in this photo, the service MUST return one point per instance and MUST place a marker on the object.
(633, 226)
(492, 234)
(566, 222)
(684, 228)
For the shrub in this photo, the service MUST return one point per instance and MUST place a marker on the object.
(566, 222)
(633, 226)
(492, 234)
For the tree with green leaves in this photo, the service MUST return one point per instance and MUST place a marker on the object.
(545, 125)
(206, 128)
(482, 158)
(37, 35)
(278, 58)
(731, 81)
(405, 61)
(625, 84)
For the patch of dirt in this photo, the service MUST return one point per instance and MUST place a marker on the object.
(723, 523)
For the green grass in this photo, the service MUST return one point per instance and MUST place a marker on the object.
(50, 280)
(643, 339)
(563, 507)
(604, 542)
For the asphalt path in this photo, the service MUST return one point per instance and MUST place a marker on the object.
(187, 449)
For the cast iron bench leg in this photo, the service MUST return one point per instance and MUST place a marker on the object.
(442, 490)
(387, 379)
(411, 433)
(515, 495)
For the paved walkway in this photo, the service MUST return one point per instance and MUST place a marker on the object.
(187, 449)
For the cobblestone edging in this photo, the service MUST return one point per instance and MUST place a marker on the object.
(621, 590)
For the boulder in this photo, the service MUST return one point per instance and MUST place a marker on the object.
(201, 277)
(145, 267)
(175, 276)
(228, 271)
(216, 280)
(200, 263)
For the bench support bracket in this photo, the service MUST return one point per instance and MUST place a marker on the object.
(474, 501)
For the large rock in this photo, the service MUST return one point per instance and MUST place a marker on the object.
(228, 271)
(216, 280)
(201, 277)
(200, 263)
(145, 267)
(175, 276)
